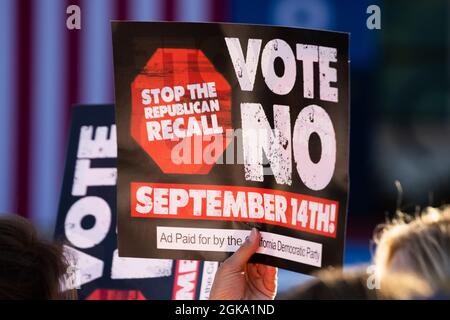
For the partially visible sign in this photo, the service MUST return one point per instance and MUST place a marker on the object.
(87, 224)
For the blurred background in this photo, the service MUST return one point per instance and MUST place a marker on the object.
(400, 96)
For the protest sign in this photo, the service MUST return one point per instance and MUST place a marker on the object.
(225, 127)
(87, 224)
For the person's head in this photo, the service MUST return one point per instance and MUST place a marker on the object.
(29, 267)
(419, 245)
(358, 285)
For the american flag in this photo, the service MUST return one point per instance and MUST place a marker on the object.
(45, 68)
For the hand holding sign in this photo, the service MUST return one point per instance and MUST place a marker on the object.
(236, 279)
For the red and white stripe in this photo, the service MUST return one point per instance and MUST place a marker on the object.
(45, 69)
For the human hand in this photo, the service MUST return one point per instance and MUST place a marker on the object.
(236, 279)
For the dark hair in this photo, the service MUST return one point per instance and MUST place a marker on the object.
(333, 285)
(354, 285)
(29, 267)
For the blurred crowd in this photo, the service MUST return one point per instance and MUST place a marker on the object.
(411, 260)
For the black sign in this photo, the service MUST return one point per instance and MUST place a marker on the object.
(87, 224)
(224, 127)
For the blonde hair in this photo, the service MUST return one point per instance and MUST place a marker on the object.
(423, 242)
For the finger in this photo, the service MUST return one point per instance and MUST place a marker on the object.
(265, 272)
(262, 279)
(252, 271)
(261, 269)
(270, 278)
(240, 258)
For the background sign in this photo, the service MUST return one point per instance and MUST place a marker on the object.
(87, 224)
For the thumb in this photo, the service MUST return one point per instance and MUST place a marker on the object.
(240, 258)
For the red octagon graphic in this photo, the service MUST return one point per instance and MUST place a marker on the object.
(181, 111)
